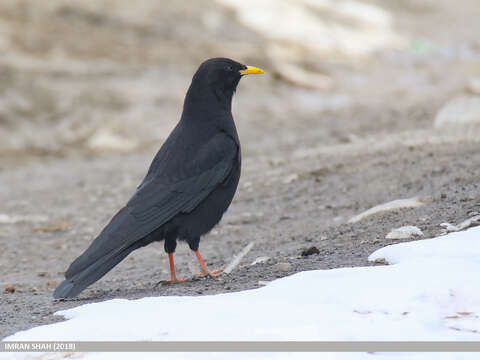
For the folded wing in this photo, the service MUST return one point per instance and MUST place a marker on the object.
(167, 191)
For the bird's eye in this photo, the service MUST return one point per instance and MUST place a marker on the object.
(229, 68)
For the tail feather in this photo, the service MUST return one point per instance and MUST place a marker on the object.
(72, 286)
(118, 239)
(113, 237)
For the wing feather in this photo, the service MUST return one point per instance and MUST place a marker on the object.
(160, 197)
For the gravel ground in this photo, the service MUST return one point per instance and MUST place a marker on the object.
(312, 160)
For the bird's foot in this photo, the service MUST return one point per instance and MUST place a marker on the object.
(176, 281)
(205, 273)
(172, 281)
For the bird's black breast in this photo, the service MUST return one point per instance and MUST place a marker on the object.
(190, 226)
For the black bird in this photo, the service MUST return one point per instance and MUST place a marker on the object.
(188, 187)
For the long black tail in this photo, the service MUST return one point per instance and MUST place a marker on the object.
(118, 239)
(74, 285)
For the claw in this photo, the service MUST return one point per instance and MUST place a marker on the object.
(172, 281)
(203, 273)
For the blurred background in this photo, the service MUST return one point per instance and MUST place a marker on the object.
(363, 102)
(100, 75)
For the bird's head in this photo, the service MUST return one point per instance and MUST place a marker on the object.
(221, 75)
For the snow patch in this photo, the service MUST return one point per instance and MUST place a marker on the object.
(431, 293)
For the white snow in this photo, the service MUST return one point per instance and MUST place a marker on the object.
(431, 292)
(461, 247)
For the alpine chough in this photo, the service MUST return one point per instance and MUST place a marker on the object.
(188, 187)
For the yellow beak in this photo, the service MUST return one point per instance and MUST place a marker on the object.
(251, 70)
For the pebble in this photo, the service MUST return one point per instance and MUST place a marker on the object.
(290, 178)
(473, 221)
(404, 232)
(310, 251)
(107, 139)
(283, 267)
(461, 113)
(390, 206)
(260, 260)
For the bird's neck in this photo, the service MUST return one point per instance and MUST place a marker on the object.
(207, 103)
